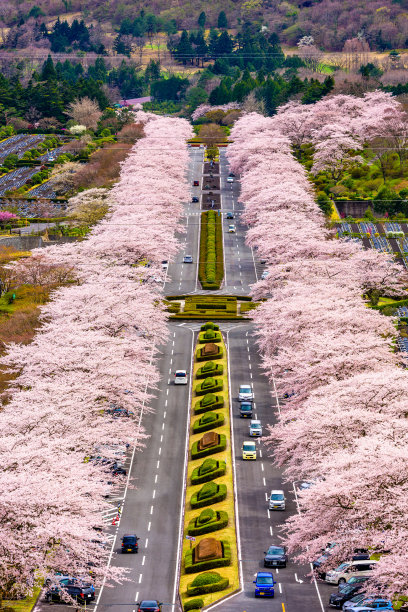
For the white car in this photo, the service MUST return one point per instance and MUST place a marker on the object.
(230, 179)
(277, 500)
(231, 229)
(180, 377)
(245, 393)
(350, 568)
(255, 428)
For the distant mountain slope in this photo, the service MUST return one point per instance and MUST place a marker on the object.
(383, 23)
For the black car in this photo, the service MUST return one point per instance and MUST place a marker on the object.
(275, 556)
(231, 174)
(129, 543)
(345, 593)
(118, 469)
(82, 593)
(194, 199)
(149, 605)
(318, 563)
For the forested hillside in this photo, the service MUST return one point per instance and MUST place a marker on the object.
(383, 23)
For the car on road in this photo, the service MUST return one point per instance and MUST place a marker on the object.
(230, 179)
(181, 377)
(245, 410)
(164, 264)
(255, 428)
(232, 229)
(264, 585)
(81, 593)
(196, 183)
(150, 605)
(275, 556)
(130, 543)
(348, 569)
(249, 450)
(230, 215)
(277, 500)
(361, 603)
(345, 593)
(245, 393)
(195, 199)
(188, 259)
(264, 274)
(231, 174)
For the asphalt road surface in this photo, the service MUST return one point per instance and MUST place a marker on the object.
(152, 504)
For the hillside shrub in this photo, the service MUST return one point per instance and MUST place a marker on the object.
(216, 520)
(202, 566)
(209, 385)
(208, 470)
(209, 420)
(209, 494)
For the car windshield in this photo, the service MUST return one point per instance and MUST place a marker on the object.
(245, 389)
(129, 539)
(265, 580)
(249, 446)
(346, 588)
(255, 426)
(181, 374)
(275, 550)
(342, 567)
(148, 604)
(246, 406)
(277, 497)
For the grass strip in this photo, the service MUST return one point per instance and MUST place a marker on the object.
(211, 264)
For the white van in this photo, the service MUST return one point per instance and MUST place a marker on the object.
(346, 570)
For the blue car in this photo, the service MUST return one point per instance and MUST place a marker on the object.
(264, 585)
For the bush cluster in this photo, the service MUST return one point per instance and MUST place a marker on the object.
(209, 494)
(201, 566)
(218, 520)
(208, 470)
(201, 356)
(210, 335)
(209, 582)
(209, 385)
(208, 402)
(209, 420)
(210, 369)
(193, 604)
(218, 448)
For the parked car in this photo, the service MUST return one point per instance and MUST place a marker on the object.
(318, 563)
(232, 229)
(255, 428)
(150, 605)
(264, 585)
(188, 259)
(245, 393)
(180, 377)
(345, 593)
(245, 409)
(195, 199)
(80, 593)
(277, 500)
(264, 274)
(230, 215)
(361, 603)
(230, 179)
(196, 183)
(348, 569)
(249, 450)
(164, 264)
(130, 543)
(354, 580)
(118, 468)
(276, 556)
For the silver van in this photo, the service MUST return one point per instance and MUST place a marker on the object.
(346, 570)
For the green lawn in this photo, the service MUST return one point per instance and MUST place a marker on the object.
(23, 605)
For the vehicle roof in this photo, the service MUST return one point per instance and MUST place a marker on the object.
(264, 574)
(255, 422)
(130, 535)
(181, 371)
(249, 443)
(245, 385)
(275, 490)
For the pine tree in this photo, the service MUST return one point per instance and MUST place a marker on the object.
(202, 19)
(222, 20)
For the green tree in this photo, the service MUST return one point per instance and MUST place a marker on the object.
(184, 51)
(224, 44)
(48, 71)
(202, 19)
(196, 96)
(222, 20)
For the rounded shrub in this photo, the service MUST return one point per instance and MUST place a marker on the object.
(209, 582)
(193, 604)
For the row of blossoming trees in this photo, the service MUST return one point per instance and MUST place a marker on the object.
(346, 424)
(95, 349)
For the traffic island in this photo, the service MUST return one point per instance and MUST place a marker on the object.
(209, 533)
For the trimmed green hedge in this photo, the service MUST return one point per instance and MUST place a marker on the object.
(210, 420)
(203, 357)
(208, 402)
(193, 604)
(211, 264)
(218, 448)
(209, 385)
(220, 521)
(208, 470)
(202, 566)
(210, 369)
(210, 582)
(209, 494)
(210, 326)
(209, 335)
